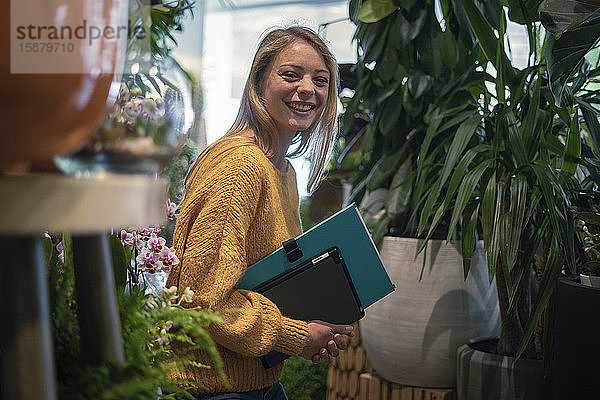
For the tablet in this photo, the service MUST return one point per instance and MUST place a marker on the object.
(319, 288)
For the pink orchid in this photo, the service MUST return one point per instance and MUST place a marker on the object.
(168, 258)
(171, 209)
(156, 243)
(61, 252)
(149, 261)
(126, 238)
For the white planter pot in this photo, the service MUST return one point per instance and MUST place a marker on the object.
(590, 280)
(411, 336)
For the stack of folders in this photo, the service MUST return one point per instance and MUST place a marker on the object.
(332, 273)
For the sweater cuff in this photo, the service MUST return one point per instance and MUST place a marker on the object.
(292, 336)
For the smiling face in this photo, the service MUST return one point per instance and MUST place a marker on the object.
(295, 87)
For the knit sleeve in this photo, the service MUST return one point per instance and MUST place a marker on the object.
(214, 259)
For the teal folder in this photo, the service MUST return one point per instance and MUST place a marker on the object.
(344, 230)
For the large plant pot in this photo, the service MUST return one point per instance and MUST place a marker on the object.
(484, 375)
(411, 336)
(53, 100)
(576, 351)
(590, 280)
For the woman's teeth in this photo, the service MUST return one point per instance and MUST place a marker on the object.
(300, 107)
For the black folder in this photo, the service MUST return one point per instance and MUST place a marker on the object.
(319, 288)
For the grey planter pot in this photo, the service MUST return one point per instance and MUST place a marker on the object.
(411, 335)
(483, 375)
(576, 348)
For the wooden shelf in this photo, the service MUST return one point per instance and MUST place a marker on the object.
(88, 209)
(36, 203)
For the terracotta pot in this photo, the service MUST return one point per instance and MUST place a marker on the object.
(54, 100)
(411, 336)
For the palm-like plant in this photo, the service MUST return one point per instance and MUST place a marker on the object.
(413, 77)
(510, 168)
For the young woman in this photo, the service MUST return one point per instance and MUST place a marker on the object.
(241, 203)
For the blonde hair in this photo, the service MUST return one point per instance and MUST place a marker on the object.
(318, 138)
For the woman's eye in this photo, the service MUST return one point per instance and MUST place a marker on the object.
(321, 81)
(289, 75)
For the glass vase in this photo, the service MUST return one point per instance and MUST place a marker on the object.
(147, 126)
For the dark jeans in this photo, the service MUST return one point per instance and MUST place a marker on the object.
(273, 392)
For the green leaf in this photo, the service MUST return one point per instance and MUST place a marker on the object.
(572, 148)
(353, 8)
(368, 141)
(458, 117)
(560, 217)
(154, 83)
(529, 253)
(385, 169)
(449, 52)
(591, 120)
(360, 186)
(589, 217)
(468, 241)
(68, 251)
(380, 229)
(564, 55)
(562, 112)
(466, 192)
(488, 221)
(418, 84)
(515, 221)
(390, 115)
(487, 40)
(527, 130)
(524, 11)
(375, 10)
(47, 242)
(374, 40)
(461, 138)
(119, 261)
(514, 137)
(494, 246)
(559, 16)
(545, 293)
(398, 196)
(386, 67)
(463, 135)
(461, 169)
(500, 61)
(492, 9)
(413, 107)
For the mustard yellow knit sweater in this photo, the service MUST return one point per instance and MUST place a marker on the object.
(237, 209)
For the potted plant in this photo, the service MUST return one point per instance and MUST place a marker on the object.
(405, 90)
(577, 301)
(592, 264)
(508, 181)
(588, 234)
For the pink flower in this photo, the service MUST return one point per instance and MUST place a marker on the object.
(126, 238)
(156, 243)
(168, 258)
(61, 252)
(138, 242)
(145, 233)
(149, 261)
(171, 209)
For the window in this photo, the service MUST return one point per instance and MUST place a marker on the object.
(232, 30)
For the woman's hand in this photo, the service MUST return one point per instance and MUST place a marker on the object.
(325, 340)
